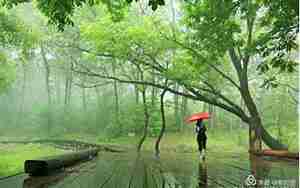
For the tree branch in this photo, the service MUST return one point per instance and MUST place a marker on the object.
(197, 96)
(195, 52)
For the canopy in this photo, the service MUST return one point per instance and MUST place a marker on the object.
(197, 116)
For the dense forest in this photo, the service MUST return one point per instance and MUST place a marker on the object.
(129, 74)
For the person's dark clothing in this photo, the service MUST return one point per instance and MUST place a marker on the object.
(201, 136)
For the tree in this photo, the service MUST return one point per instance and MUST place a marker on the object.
(163, 123)
(241, 29)
(216, 34)
(14, 35)
(47, 83)
(215, 50)
(7, 72)
(146, 113)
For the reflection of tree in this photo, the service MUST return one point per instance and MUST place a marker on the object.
(202, 174)
(260, 168)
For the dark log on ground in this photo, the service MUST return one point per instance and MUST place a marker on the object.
(48, 165)
(56, 178)
(279, 154)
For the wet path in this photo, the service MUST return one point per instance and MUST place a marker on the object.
(172, 170)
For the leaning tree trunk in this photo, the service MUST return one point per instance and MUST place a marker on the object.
(146, 120)
(163, 123)
(257, 132)
(146, 116)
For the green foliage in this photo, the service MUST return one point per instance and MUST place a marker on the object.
(219, 26)
(132, 118)
(14, 35)
(125, 39)
(211, 28)
(60, 12)
(213, 24)
(279, 39)
(13, 32)
(10, 29)
(7, 72)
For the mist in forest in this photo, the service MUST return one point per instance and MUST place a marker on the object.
(124, 80)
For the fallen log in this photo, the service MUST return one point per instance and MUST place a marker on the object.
(278, 153)
(45, 166)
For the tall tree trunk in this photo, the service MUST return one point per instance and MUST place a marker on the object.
(211, 120)
(183, 113)
(116, 97)
(153, 89)
(66, 91)
(83, 93)
(47, 82)
(57, 87)
(176, 109)
(163, 123)
(242, 104)
(84, 99)
(215, 117)
(241, 123)
(257, 132)
(22, 105)
(136, 90)
(98, 118)
(146, 116)
(68, 86)
(231, 124)
(137, 95)
(204, 107)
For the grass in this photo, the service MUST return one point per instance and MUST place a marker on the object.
(12, 156)
(180, 142)
(221, 140)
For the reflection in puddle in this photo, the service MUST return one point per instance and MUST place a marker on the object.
(175, 171)
(202, 178)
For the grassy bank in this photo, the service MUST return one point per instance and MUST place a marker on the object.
(12, 156)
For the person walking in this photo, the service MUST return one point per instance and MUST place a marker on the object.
(201, 137)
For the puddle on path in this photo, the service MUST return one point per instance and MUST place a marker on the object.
(175, 170)
(172, 170)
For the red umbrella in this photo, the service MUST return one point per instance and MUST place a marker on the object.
(197, 116)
